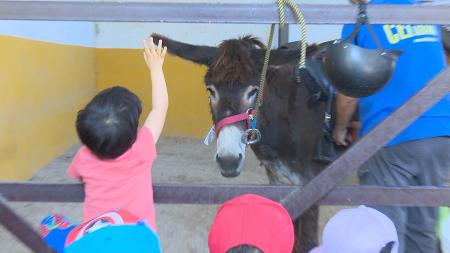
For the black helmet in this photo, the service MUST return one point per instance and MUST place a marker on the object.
(358, 72)
(355, 71)
(446, 37)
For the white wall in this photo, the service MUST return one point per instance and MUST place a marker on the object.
(70, 33)
(207, 1)
(130, 35)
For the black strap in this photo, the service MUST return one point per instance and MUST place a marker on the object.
(303, 76)
(363, 19)
(325, 151)
(328, 112)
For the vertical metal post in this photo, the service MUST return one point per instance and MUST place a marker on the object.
(283, 35)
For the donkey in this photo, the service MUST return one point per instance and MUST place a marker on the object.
(289, 127)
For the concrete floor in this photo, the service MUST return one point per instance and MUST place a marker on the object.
(182, 228)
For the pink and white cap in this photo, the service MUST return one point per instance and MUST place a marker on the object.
(358, 230)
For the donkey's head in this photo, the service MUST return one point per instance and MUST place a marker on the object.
(232, 81)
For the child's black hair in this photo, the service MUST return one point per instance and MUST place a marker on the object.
(108, 124)
(387, 248)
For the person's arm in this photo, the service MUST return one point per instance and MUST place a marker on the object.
(154, 58)
(345, 109)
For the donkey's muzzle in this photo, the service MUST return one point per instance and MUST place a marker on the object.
(229, 165)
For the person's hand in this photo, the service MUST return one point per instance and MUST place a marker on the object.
(340, 135)
(154, 57)
(353, 131)
(346, 135)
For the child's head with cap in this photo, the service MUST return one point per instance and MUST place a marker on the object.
(117, 231)
(359, 230)
(137, 238)
(253, 221)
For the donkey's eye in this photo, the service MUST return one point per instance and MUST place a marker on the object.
(211, 92)
(252, 93)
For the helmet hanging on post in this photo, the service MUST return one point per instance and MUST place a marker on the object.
(355, 71)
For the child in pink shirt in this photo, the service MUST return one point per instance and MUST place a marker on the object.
(116, 160)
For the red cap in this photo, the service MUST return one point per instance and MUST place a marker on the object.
(252, 220)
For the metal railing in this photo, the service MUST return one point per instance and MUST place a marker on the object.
(323, 189)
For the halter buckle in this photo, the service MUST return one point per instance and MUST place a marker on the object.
(251, 136)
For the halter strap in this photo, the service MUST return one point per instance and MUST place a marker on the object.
(246, 116)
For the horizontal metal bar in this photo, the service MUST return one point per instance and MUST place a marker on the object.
(21, 229)
(214, 13)
(217, 194)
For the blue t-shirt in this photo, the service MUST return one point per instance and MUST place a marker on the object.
(423, 58)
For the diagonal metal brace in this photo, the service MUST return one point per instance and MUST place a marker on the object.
(21, 229)
(300, 200)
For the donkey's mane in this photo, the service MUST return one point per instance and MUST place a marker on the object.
(232, 52)
(234, 63)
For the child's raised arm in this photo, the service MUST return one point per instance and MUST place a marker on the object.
(154, 58)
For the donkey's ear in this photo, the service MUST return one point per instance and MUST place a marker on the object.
(199, 54)
(277, 56)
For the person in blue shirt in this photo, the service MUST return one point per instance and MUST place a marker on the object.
(419, 155)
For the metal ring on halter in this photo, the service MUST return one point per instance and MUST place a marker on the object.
(251, 136)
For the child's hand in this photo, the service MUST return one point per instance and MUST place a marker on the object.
(154, 57)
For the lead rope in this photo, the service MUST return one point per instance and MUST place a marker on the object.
(253, 135)
(303, 44)
(262, 80)
(301, 19)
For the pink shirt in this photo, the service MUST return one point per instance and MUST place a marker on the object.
(124, 182)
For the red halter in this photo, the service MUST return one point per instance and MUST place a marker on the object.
(246, 116)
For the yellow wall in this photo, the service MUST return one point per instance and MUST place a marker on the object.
(188, 111)
(43, 85)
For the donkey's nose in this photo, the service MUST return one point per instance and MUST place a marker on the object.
(229, 165)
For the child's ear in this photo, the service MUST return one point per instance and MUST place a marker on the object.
(387, 248)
